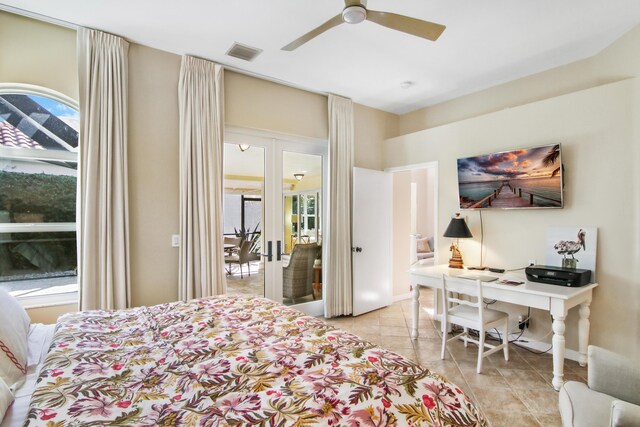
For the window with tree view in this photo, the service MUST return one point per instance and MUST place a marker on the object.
(38, 181)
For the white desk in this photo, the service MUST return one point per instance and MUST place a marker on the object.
(555, 299)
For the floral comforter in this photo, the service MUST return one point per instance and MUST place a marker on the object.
(231, 361)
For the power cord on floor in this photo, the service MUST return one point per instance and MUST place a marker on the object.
(533, 351)
(543, 337)
(488, 337)
(474, 333)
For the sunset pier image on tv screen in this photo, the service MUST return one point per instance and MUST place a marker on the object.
(526, 178)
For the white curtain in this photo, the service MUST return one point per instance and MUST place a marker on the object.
(102, 217)
(339, 289)
(201, 102)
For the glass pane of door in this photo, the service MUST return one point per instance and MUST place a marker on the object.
(302, 227)
(244, 191)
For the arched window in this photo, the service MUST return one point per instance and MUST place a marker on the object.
(38, 186)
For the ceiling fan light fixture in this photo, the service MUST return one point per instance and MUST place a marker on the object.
(355, 11)
(298, 176)
(354, 14)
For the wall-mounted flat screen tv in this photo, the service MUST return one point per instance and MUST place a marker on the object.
(526, 178)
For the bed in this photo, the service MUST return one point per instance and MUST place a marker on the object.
(38, 341)
(231, 361)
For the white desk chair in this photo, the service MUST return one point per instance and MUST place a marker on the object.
(470, 313)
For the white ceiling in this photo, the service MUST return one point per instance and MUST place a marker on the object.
(486, 42)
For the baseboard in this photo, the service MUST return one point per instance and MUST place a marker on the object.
(540, 346)
(402, 297)
(543, 346)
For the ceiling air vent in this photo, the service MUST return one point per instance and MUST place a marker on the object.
(241, 51)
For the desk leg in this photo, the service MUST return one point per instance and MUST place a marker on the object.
(583, 331)
(558, 351)
(415, 305)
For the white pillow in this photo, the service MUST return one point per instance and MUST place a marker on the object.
(6, 399)
(14, 332)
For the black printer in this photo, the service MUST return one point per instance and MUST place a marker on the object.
(572, 277)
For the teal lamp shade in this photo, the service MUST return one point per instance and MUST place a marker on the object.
(457, 228)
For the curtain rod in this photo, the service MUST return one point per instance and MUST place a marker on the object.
(38, 16)
(66, 24)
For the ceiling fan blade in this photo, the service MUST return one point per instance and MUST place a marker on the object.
(425, 29)
(336, 20)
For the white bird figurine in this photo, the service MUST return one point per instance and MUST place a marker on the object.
(570, 247)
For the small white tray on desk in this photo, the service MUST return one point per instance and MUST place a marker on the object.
(481, 277)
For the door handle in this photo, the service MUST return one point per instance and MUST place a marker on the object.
(356, 249)
(278, 250)
(269, 253)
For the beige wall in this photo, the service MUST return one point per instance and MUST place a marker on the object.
(424, 179)
(598, 131)
(598, 124)
(49, 314)
(261, 104)
(402, 180)
(153, 174)
(372, 127)
(38, 54)
(401, 232)
(43, 54)
(567, 79)
(614, 63)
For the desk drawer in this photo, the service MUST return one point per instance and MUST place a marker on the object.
(515, 297)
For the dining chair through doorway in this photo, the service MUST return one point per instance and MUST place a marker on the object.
(462, 305)
(244, 256)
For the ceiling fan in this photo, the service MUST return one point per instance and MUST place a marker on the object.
(355, 11)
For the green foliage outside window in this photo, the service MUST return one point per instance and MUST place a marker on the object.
(37, 198)
(52, 196)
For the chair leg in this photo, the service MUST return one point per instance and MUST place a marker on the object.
(241, 276)
(465, 335)
(249, 268)
(505, 339)
(480, 351)
(444, 340)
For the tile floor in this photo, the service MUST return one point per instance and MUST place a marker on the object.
(514, 393)
(248, 284)
(252, 284)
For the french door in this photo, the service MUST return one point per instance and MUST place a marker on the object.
(287, 175)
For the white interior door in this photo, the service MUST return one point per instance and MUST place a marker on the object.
(372, 217)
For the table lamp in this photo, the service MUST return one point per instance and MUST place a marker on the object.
(457, 229)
